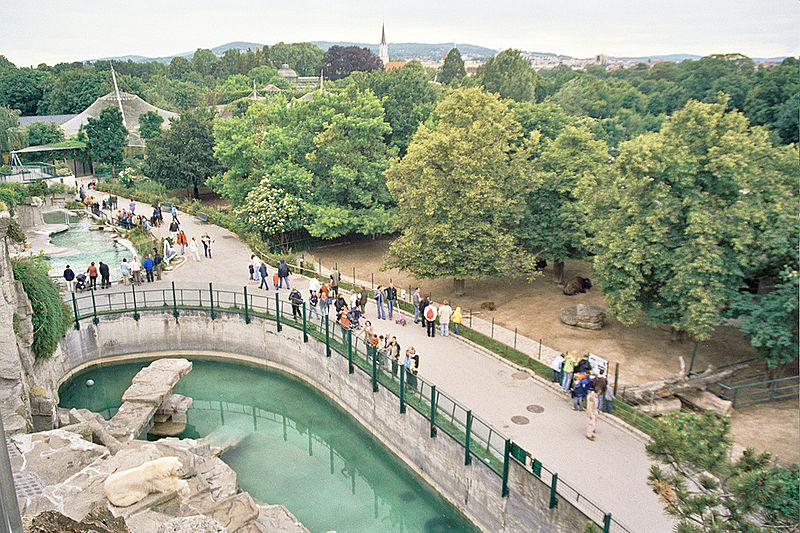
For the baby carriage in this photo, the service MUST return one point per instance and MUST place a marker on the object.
(354, 317)
(80, 282)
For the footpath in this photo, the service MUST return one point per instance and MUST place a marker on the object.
(610, 471)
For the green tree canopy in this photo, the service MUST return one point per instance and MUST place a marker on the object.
(204, 61)
(44, 133)
(12, 137)
(339, 61)
(453, 67)
(150, 124)
(105, 137)
(183, 155)
(459, 191)
(304, 58)
(688, 214)
(510, 75)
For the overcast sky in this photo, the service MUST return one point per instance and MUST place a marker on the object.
(52, 31)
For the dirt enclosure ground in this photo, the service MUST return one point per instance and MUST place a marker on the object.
(644, 353)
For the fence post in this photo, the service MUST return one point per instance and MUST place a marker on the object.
(607, 523)
(246, 311)
(553, 493)
(470, 318)
(515, 338)
(467, 456)
(278, 312)
(327, 337)
(735, 393)
(211, 294)
(372, 280)
(694, 352)
(492, 328)
(433, 410)
(350, 369)
(540, 350)
(506, 458)
(616, 376)
(95, 320)
(305, 327)
(135, 311)
(374, 369)
(75, 310)
(402, 389)
(174, 302)
(354, 279)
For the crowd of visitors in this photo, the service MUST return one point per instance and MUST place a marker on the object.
(589, 389)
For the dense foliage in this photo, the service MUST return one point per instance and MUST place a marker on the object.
(44, 133)
(150, 124)
(707, 491)
(105, 137)
(340, 61)
(51, 317)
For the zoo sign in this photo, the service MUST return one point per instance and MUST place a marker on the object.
(597, 363)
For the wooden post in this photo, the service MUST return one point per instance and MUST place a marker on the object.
(616, 376)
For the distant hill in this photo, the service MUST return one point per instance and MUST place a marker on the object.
(218, 50)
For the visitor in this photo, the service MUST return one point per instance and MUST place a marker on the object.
(379, 297)
(314, 285)
(339, 304)
(394, 354)
(148, 265)
(457, 318)
(608, 400)
(411, 366)
(579, 392)
(422, 305)
(92, 271)
(313, 300)
(158, 260)
(556, 366)
(600, 383)
(368, 332)
(105, 276)
(430, 313)
(69, 277)
(415, 301)
(583, 365)
(363, 296)
(175, 214)
(256, 263)
(391, 297)
(335, 279)
(181, 240)
(173, 228)
(206, 240)
(275, 280)
(251, 267)
(262, 272)
(569, 368)
(132, 207)
(283, 273)
(445, 311)
(194, 249)
(591, 412)
(169, 252)
(136, 270)
(296, 299)
(324, 302)
(125, 269)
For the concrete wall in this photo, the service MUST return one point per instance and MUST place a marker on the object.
(474, 489)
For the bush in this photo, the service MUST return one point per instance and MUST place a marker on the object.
(15, 232)
(51, 317)
(786, 507)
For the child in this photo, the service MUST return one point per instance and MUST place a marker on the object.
(275, 280)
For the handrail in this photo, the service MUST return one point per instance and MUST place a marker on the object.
(488, 445)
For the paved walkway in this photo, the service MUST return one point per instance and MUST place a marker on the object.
(611, 471)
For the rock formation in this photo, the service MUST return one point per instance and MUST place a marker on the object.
(584, 316)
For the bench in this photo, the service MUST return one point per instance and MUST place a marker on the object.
(202, 217)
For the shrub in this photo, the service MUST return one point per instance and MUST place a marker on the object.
(15, 232)
(51, 317)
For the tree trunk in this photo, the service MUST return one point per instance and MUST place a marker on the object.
(558, 272)
(458, 287)
(196, 192)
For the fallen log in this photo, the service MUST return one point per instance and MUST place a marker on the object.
(676, 384)
(707, 400)
(659, 407)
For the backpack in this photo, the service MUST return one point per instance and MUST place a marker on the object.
(429, 313)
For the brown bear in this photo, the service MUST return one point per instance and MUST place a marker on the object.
(489, 306)
(576, 285)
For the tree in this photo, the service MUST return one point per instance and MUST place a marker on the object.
(183, 155)
(459, 192)
(706, 490)
(23, 89)
(150, 124)
(74, 90)
(339, 61)
(453, 68)
(554, 224)
(12, 137)
(689, 213)
(105, 137)
(204, 61)
(304, 58)
(44, 133)
(510, 75)
(272, 212)
(179, 67)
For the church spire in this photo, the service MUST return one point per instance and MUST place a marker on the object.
(383, 49)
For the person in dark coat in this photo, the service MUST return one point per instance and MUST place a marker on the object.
(296, 299)
(283, 273)
(105, 276)
(583, 365)
(69, 277)
(262, 270)
(422, 305)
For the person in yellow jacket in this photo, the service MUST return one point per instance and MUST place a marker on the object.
(457, 318)
(569, 367)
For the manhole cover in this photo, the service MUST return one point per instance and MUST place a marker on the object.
(533, 408)
(519, 420)
(520, 375)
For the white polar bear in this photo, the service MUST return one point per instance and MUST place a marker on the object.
(127, 487)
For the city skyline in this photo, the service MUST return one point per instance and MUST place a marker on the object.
(44, 32)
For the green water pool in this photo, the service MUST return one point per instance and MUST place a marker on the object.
(300, 449)
(86, 246)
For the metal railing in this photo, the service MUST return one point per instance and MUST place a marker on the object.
(478, 438)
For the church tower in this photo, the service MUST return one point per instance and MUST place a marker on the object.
(383, 50)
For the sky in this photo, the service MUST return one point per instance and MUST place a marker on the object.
(36, 32)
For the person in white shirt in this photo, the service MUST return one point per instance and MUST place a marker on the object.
(136, 270)
(194, 249)
(430, 314)
(556, 366)
(445, 312)
(314, 285)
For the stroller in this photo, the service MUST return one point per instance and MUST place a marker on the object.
(80, 282)
(351, 319)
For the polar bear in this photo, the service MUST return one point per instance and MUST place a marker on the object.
(127, 487)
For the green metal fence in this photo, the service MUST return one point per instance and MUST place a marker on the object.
(446, 415)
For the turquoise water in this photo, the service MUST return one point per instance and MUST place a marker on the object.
(300, 449)
(88, 246)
